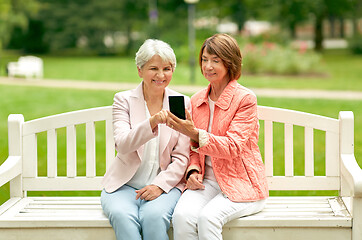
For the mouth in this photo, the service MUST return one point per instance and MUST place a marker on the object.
(209, 74)
(158, 82)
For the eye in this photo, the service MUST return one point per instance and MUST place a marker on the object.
(167, 69)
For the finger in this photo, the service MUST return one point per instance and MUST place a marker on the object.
(199, 178)
(163, 116)
(171, 123)
(195, 186)
(172, 116)
(195, 182)
(188, 114)
(140, 192)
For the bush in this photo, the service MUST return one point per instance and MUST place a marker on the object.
(270, 58)
(355, 44)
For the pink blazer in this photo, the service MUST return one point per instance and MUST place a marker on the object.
(132, 130)
(232, 142)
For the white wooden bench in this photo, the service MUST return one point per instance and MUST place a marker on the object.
(335, 216)
(27, 66)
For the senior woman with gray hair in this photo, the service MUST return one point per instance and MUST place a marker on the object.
(145, 181)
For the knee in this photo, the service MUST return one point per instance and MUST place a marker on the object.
(118, 216)
(181, 215)
(208, 221)
(154, 217)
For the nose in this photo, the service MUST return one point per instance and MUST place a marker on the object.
(208, 65)
(161, 73)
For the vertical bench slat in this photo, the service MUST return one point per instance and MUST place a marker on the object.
(30, 155)
(268, 145)
(90, 150)
(288, 149)
(52, 153)
(71, 151)
(309, 151)
(110, 148)
(332, 153)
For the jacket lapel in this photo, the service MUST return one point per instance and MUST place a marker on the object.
(137, 111)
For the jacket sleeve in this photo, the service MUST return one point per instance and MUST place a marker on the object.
(195, 163)
(128, 139)
(244, 123)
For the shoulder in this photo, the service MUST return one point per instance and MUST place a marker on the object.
(123, 94)
(200, 97)
(244, 94)
(199, 94)
(122, 99)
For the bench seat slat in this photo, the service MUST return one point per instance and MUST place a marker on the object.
(289, 211)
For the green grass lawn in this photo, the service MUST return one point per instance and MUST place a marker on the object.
(35, 102)
(343, 72)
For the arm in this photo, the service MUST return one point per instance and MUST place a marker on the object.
(243, 124)
(128, 138)
(180, 154)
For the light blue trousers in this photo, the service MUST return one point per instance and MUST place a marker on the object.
(134, 219)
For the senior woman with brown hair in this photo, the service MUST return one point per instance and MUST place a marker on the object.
(225, 178)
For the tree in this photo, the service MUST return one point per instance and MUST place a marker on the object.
(322, 9)
(15, 13)
(68, 21)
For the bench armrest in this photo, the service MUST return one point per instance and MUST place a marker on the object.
(10, 169)
(352, 172)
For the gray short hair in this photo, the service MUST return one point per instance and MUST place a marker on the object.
(153, 47)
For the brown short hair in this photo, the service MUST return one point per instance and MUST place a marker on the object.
(227, 49)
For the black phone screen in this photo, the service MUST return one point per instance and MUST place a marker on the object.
(177, 106)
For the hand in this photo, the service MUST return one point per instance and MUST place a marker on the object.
(158, 118)
(185, 127)
(194, 181)
(149, 193)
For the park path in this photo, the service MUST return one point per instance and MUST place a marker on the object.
(187, 89)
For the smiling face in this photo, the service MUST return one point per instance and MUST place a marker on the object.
(156, 75)
(213, 68)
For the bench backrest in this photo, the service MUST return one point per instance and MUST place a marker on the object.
(300, 150)
(31, 63)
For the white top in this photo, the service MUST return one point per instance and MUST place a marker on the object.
(209, 172)
(150, 165)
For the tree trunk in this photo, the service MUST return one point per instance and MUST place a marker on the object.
(332, 32)
(318, 33)
(293, 30)
(130, 40)
(341, 22)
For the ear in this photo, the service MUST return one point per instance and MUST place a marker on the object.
(139, 72)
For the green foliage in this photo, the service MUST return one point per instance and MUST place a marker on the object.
(15, 13)
(355, 44)
(271, 58)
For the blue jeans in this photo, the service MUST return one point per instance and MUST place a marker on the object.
(134, 219)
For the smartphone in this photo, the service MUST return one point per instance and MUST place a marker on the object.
(177, 106)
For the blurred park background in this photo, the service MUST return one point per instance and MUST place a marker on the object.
(286, 44)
